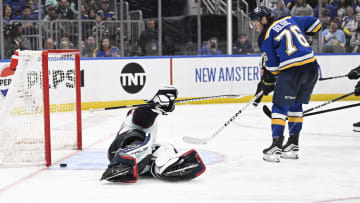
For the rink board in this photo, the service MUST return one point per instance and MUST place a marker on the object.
(108, 82)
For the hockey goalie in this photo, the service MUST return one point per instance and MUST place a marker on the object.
(135, 152)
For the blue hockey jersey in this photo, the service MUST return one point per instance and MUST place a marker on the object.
(285, 45)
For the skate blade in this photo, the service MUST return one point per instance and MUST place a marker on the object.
(289, 155)
(272, 158)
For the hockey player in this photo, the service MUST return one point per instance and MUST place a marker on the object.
(291, 71)
(134, 152)
(353, 75)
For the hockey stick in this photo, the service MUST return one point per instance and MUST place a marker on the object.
(333, 109)
(267, 110)
(205, 140)
(334, 77)
(176, 101)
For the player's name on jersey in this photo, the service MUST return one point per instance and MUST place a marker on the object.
(280, 25)
(226, 74)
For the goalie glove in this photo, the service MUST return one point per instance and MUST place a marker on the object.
(357, 89)
(267, 83)
(164, 100)
(354, 73)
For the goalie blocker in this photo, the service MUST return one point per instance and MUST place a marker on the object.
(134, 152)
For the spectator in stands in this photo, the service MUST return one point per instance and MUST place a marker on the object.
(47, 27)
(89, 48)
(26, 14)
(83, 11)
(116, 41)
(49, 44)
(64, 45)
(68, 43)
(355, 35)
(106, 49)
(98, 28)
(64, 11)
(348, 25)
(28, 28)
(88, 26)
(333, 39)
(105, 9)
(35, 11)
(7, 12)
(91, 14)
(205, 48)
(213, 50)
(148, 41)
(356, 6)
(51, 14)
(342, 6)
(331, 9)
(242, 45)
(282, 12)
(16, 5)
(325, 18)
(301, 8)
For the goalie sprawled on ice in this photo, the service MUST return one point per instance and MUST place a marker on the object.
(135, 152)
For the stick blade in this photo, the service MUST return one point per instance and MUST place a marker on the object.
(195, 140)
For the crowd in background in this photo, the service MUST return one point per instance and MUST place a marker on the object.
(340, 27)
(340, 21)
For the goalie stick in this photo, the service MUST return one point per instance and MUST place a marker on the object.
(205, 140)
(176, 101)
(267, 110)
(334, 77)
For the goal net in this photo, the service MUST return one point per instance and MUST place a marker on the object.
(41, 114)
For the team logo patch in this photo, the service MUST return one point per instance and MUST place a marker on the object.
(132, 78)
(5, 79)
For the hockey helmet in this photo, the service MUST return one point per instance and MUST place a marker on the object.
(257, 14)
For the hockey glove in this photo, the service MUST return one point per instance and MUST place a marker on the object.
(164, 103)
(357, 89)
(164, 100)
(267, 83)
(354, 73)
(258, 100)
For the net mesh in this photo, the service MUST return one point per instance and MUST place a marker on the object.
(22, 138)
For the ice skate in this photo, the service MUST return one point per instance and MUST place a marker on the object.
(272, 153)
(356, 127)
(291, 148)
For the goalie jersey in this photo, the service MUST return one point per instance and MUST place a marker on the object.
(284, 45)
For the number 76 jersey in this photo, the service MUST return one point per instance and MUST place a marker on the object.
(285, 45)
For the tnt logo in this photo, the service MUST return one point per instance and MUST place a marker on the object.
(132, 78)
(5, 79)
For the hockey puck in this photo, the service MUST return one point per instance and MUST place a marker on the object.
(62, 165)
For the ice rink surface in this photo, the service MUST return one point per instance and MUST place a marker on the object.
(328, 169)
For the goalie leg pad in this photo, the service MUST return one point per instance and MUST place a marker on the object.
(123, 168)
(170, 165)
(130, 155)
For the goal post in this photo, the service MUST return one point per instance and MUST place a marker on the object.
(42, 110)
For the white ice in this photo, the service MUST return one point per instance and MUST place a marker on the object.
(328, 169)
